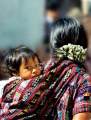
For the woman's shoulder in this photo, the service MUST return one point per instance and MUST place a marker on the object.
(84, 78)
(80, 70)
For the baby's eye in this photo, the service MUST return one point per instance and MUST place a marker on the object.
(37, 65)
(28, 68)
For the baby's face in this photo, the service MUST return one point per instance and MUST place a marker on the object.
(29, 69)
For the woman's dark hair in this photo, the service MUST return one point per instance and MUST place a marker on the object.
(15, 56)
(68, 30)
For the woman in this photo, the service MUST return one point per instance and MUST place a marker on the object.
(69, 42)
(63, 92)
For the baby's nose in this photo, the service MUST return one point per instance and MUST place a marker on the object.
(34, 71)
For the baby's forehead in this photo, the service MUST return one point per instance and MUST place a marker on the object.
(30, 60)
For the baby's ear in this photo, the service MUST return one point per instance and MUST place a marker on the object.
(15, 74)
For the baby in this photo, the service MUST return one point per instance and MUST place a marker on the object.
(22, 63)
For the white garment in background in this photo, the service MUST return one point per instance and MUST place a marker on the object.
(4, 82)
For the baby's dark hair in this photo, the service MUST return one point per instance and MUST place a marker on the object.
(15, 56)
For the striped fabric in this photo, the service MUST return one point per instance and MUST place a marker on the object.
(61, 92)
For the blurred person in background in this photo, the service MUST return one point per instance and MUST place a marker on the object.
(86, 21)
(3, 70)
(70, 8)
(51, 14)
(1, 61)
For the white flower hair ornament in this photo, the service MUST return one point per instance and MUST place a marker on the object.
(72, 52)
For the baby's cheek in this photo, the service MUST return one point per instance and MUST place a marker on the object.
(29, 74)
(38, 71)
(26, 74)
